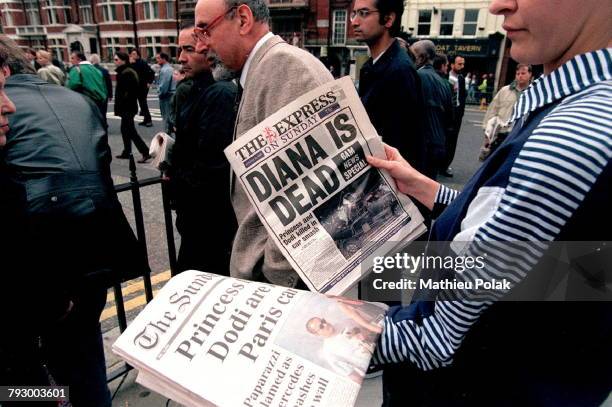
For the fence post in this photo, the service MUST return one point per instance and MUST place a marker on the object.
(140, 229)
(169, 229)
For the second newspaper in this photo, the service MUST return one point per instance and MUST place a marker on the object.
(304, 170)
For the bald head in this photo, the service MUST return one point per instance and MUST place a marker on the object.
(424, 51)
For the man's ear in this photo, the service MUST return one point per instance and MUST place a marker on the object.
(6, 71)
(390, 19)
(245, 16)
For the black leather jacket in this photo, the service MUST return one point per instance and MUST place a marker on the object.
(57, 151)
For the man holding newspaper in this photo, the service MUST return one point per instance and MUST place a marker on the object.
(271, 74)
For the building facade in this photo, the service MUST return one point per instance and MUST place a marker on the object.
(92, 26)
(460, 27)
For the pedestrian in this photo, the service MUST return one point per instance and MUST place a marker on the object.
(438, 114)
(165, 89)
(440, 65)
(126, 107)
(389, 85)
(472, 87)
(482, 91)
(199, 169)
(77, 240)
(239, 33)
(548, 182)
(48, 71)
(95, 60)
(145, 79)
(459, 93)
(499, 111)
(87, 79)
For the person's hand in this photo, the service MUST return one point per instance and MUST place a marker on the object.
(408, 180)
(404, 174)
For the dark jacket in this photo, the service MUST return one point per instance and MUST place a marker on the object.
(204, 128)
(199, 174)
(391, 93)
(126, 93)
(107, 81)
(145, 73)
(438, 111)
(57, 151)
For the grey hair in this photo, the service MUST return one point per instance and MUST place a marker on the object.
(16, 59)
(425, 49)
(259, 8)
(94, 59)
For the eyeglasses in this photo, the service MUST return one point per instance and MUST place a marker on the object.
(203, 34)
(362, 13)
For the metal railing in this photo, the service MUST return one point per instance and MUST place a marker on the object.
(134, 186)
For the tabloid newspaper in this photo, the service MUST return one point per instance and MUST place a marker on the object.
(209, 340)
(327, 209)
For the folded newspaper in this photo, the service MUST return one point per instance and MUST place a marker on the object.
(161, 151)
(305, 172)
(209, 340)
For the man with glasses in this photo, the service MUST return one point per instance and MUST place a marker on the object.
(389, 85)
(271, 74)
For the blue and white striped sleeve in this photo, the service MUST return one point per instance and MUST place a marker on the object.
(444, 197)
(558, 165)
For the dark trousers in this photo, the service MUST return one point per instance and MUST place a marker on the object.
(451, 140)
(75, 353)
(70, 350)
(129, 134)
(196, 251)
(144, 107)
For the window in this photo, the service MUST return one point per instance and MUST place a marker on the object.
(424, 22)
(170, 10)
(109, 12)
(8, 17)
(85, 8)
(32, 11)
(52, 13)
(150, 10)
(113, 45)
(154, 45)
(67, 11)
(446, 22)
(172, 46)
(127, 12)
(339, 28)
(55, 46)
(470, 21)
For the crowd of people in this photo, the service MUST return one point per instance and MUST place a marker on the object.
(546, 177)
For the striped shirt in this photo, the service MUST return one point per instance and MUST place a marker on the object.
(556, 167)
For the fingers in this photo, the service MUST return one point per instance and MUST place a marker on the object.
(380, 163)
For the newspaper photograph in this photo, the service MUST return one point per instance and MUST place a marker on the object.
(305, 171)
(211, 340)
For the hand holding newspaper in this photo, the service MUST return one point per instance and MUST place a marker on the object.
(327, 209)
(209, 340)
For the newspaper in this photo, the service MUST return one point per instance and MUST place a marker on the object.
(327, 209)
(161, 151)
(209, 340)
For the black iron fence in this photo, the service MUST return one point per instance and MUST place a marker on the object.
(133, 186)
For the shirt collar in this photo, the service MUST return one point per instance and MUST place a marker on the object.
(84, 63)
(572, 77)
(383, 53)
(245, 68)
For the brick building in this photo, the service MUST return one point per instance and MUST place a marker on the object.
(92, 26)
